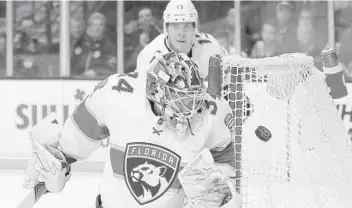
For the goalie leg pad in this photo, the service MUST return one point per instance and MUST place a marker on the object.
(206, 186)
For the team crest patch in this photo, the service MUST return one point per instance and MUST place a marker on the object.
(149, 170)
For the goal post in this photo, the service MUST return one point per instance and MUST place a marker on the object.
(291, 147)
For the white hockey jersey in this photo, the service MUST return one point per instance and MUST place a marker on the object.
(146, 153)
(203, 48)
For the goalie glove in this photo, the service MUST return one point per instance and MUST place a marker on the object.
(47, 163)
(206, 186)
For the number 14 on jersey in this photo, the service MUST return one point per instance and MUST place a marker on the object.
(123, 85)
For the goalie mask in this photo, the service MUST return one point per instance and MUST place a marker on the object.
(175, 84)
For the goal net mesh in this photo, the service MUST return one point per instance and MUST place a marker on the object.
(307, 160)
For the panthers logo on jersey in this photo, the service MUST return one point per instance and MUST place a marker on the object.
(149, 170)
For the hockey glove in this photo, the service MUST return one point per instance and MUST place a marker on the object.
(47, 164)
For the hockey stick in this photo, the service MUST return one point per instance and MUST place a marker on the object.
(33, 196)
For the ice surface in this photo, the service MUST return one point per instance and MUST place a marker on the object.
(80, 191)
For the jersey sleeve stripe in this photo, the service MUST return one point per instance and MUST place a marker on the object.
(86, 123)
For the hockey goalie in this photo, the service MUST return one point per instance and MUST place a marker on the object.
(172, 122)
(182, 148)
(173, 119)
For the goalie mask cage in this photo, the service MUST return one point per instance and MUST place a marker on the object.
(291, 147)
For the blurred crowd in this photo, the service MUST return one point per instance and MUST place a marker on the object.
(268, 28)
(138, 32)
(293, 29)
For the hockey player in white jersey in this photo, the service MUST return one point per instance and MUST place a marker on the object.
(157, 123)
(181, 35)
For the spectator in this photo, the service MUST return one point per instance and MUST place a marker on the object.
(136, 37)
(131, 64)
(148, 23)
(130, 38)
(286, 28)
(27, 47)
(94, 54)
(309, 41)
(308, 44)
(24, 41)
(36, 39)
(267, 46)
(37, 29)
(228, 29)
(306, 16)
(284, 12)
(77, 26)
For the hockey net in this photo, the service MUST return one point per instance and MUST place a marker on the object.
(304, 159)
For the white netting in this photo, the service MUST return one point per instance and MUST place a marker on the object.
(307, 161)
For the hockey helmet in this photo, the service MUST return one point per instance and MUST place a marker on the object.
(176, 85)
(180, 11)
